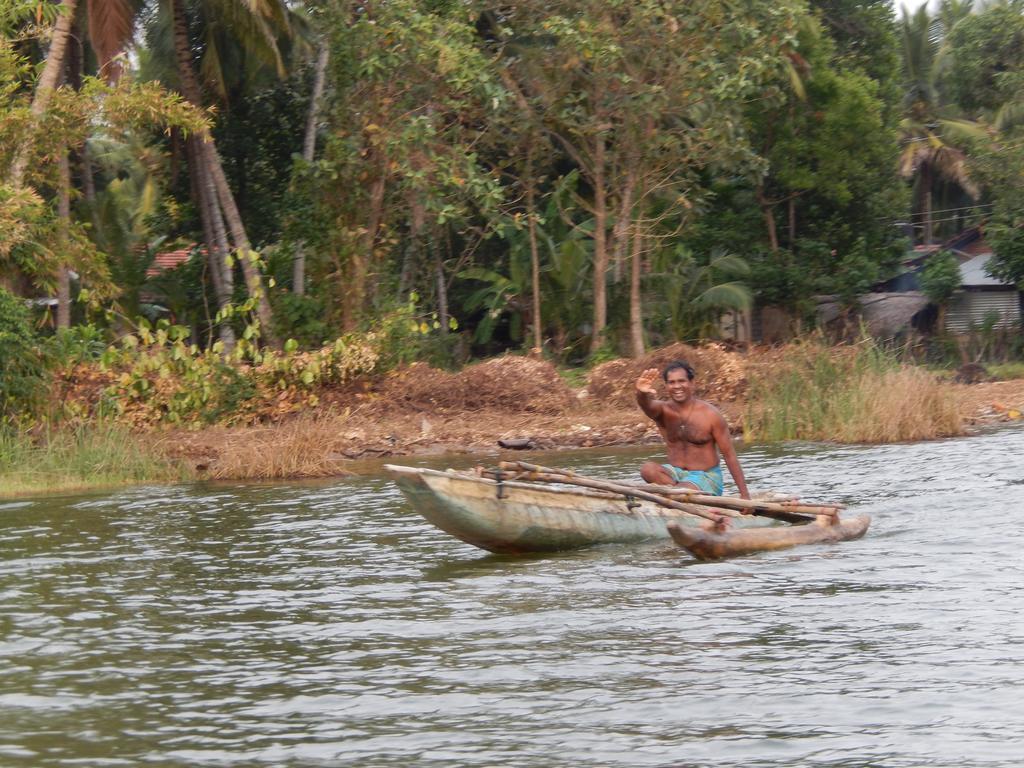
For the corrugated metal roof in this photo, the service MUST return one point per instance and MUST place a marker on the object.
(973, 275)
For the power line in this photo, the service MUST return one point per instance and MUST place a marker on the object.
(961, 208)
(933, 221)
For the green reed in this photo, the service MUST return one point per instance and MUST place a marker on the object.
(73, 458)
(853, 393)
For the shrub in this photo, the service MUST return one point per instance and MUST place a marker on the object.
(23, 375)
(78, 344)
(402, 335)
(300, 318)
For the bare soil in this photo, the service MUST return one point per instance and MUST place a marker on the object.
(510, 400)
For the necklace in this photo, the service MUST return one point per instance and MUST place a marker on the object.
(685, 419)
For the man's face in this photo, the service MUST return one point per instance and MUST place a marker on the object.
(679, 385)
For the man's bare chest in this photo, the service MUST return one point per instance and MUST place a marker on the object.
(680, 430)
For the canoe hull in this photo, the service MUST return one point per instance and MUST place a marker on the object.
(708, 545)
(516, 518)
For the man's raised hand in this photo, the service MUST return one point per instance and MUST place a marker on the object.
(646, 381)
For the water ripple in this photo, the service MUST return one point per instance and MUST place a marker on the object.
(326, 624)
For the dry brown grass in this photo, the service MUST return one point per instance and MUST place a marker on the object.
(852, 394)
(897, 406)
(304, 447)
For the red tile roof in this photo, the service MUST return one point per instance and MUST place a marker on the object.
(168, 260)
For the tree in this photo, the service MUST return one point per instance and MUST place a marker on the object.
(987, 77)
(42, 241)
(641, 97)
(45, 87)
(309, 152)
(816, 216)
(866, 39)
(217, 203)
(828, 145)
(930, 129)
(940, 279)
(413, 96)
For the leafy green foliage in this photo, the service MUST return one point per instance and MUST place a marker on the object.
(697, 292)
(987, 52)
(23, 375)
(866, 40)
(77, 344)
(162, 377)
(301, 318)
(258, 140)
(940, 277)
(999, 164)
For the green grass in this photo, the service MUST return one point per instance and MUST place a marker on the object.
(80, 458)
(1006, 371)
(574, 377)
(852, 394)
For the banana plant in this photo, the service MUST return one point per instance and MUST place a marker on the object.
(697, 294)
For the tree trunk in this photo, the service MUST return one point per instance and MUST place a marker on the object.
(88, 182)
(187, 83)
(308, 153)
(636, 312)
(253, 279)
(217, 248)
(600, 249)
(64, 217)
(531, 218)
(408, 264)
(769, 218)
(417, 219)
(76, 57)
(204, 221)
(313, 116)
(442, 294)
(47, 84)
(792, 222)
(208, 157)
(363, 256)
(926, 203)
(620, 232)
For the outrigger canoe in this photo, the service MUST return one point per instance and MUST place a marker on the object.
(515, 517)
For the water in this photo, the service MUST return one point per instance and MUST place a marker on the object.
(327, 625)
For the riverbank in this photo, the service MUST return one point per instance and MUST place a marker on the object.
(319, 446)
(521, 403)
(518, 402)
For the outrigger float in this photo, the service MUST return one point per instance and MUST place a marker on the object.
(523, 507)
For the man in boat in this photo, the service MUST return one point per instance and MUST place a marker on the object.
(695, 434)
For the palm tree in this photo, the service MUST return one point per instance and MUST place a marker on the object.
(257, 24)
(254, 22)
(928, 128)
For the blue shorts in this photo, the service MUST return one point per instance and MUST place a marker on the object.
(710, 481)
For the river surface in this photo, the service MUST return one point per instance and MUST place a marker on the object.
(327, 625)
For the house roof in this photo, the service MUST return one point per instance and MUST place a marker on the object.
(168, 260)
(973, 275)
(883, 313)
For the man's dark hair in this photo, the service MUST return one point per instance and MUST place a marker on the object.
(678, 364)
